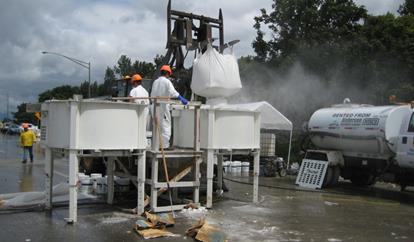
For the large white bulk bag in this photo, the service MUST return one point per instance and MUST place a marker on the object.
(215, 75)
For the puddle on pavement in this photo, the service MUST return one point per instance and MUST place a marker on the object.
(10, 149)
(26, 178)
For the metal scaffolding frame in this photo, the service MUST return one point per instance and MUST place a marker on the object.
(194, 156)
(155, 154)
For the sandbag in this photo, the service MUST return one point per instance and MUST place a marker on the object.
(215, 75)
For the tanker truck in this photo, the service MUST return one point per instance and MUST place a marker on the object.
(363, 143)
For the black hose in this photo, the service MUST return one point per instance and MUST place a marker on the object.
(285, 188)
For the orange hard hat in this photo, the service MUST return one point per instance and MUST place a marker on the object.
(166, 68)
(136, 78)
(25, 125)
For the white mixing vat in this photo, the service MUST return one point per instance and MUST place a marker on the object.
(93, 125)
(220, 128)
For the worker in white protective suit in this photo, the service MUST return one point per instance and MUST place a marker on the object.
(162, 87)
(137, 92)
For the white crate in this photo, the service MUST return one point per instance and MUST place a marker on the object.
(93, 125)
(312, 173)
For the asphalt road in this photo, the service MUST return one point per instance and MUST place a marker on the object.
(284, 213)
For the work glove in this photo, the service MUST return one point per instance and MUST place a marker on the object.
(183, 100)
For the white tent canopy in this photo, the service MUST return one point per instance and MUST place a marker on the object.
(271, 118)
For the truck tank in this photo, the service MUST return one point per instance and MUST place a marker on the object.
(358, 130)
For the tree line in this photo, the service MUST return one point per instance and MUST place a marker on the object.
(124, 67)
(342, 44)
(335, 40)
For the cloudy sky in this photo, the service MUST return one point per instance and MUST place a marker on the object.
(100, 32)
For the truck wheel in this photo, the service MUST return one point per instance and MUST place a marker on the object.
(335, 176)
(328, 177)
(363, 179)
(269, 169)
(282, 172)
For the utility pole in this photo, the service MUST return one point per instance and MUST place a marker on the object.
(84, 64)
(7, 108)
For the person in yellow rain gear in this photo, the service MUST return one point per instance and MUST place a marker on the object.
(27, 139)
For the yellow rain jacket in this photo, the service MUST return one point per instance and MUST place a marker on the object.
(27, 138)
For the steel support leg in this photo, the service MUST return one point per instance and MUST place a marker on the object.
(73, 186)
(110, 173)
(141, 183)
(48, 178)
(220, 173)
(196, 178)
(210, 174)
(256, 164)
(154, 179)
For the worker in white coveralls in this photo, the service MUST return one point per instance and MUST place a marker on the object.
(162, 87)
(139, 91)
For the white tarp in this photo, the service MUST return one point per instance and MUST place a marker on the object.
(271, 118)
(14, 200)
(215, 75)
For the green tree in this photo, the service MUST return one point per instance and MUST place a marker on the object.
(259, 45)
(159, 61)
(21, 116)
(84, 89)
(145, 69)
(407, 8)
(336, 38)
(124, 67)
(109, 81)
(61, 93)
(302, 25)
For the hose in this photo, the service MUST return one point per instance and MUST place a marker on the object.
(284, 188)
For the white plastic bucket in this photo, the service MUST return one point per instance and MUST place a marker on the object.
(236, 167)
(95, 177)
(245, 167)
(85, 183)
(102, 187)
(84, 179)
(122, 184)
(226, 166)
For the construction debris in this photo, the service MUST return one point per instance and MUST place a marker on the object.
(204, 232)
(155, 233)
(154, 225)
(166, 219)
(191, 211)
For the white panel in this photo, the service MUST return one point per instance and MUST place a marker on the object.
(229, 129)
(234, 130)
(105, 127)
(58, 125)
(101, 125)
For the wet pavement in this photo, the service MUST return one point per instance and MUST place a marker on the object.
(284, 213)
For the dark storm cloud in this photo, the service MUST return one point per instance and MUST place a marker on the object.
(101, 31)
